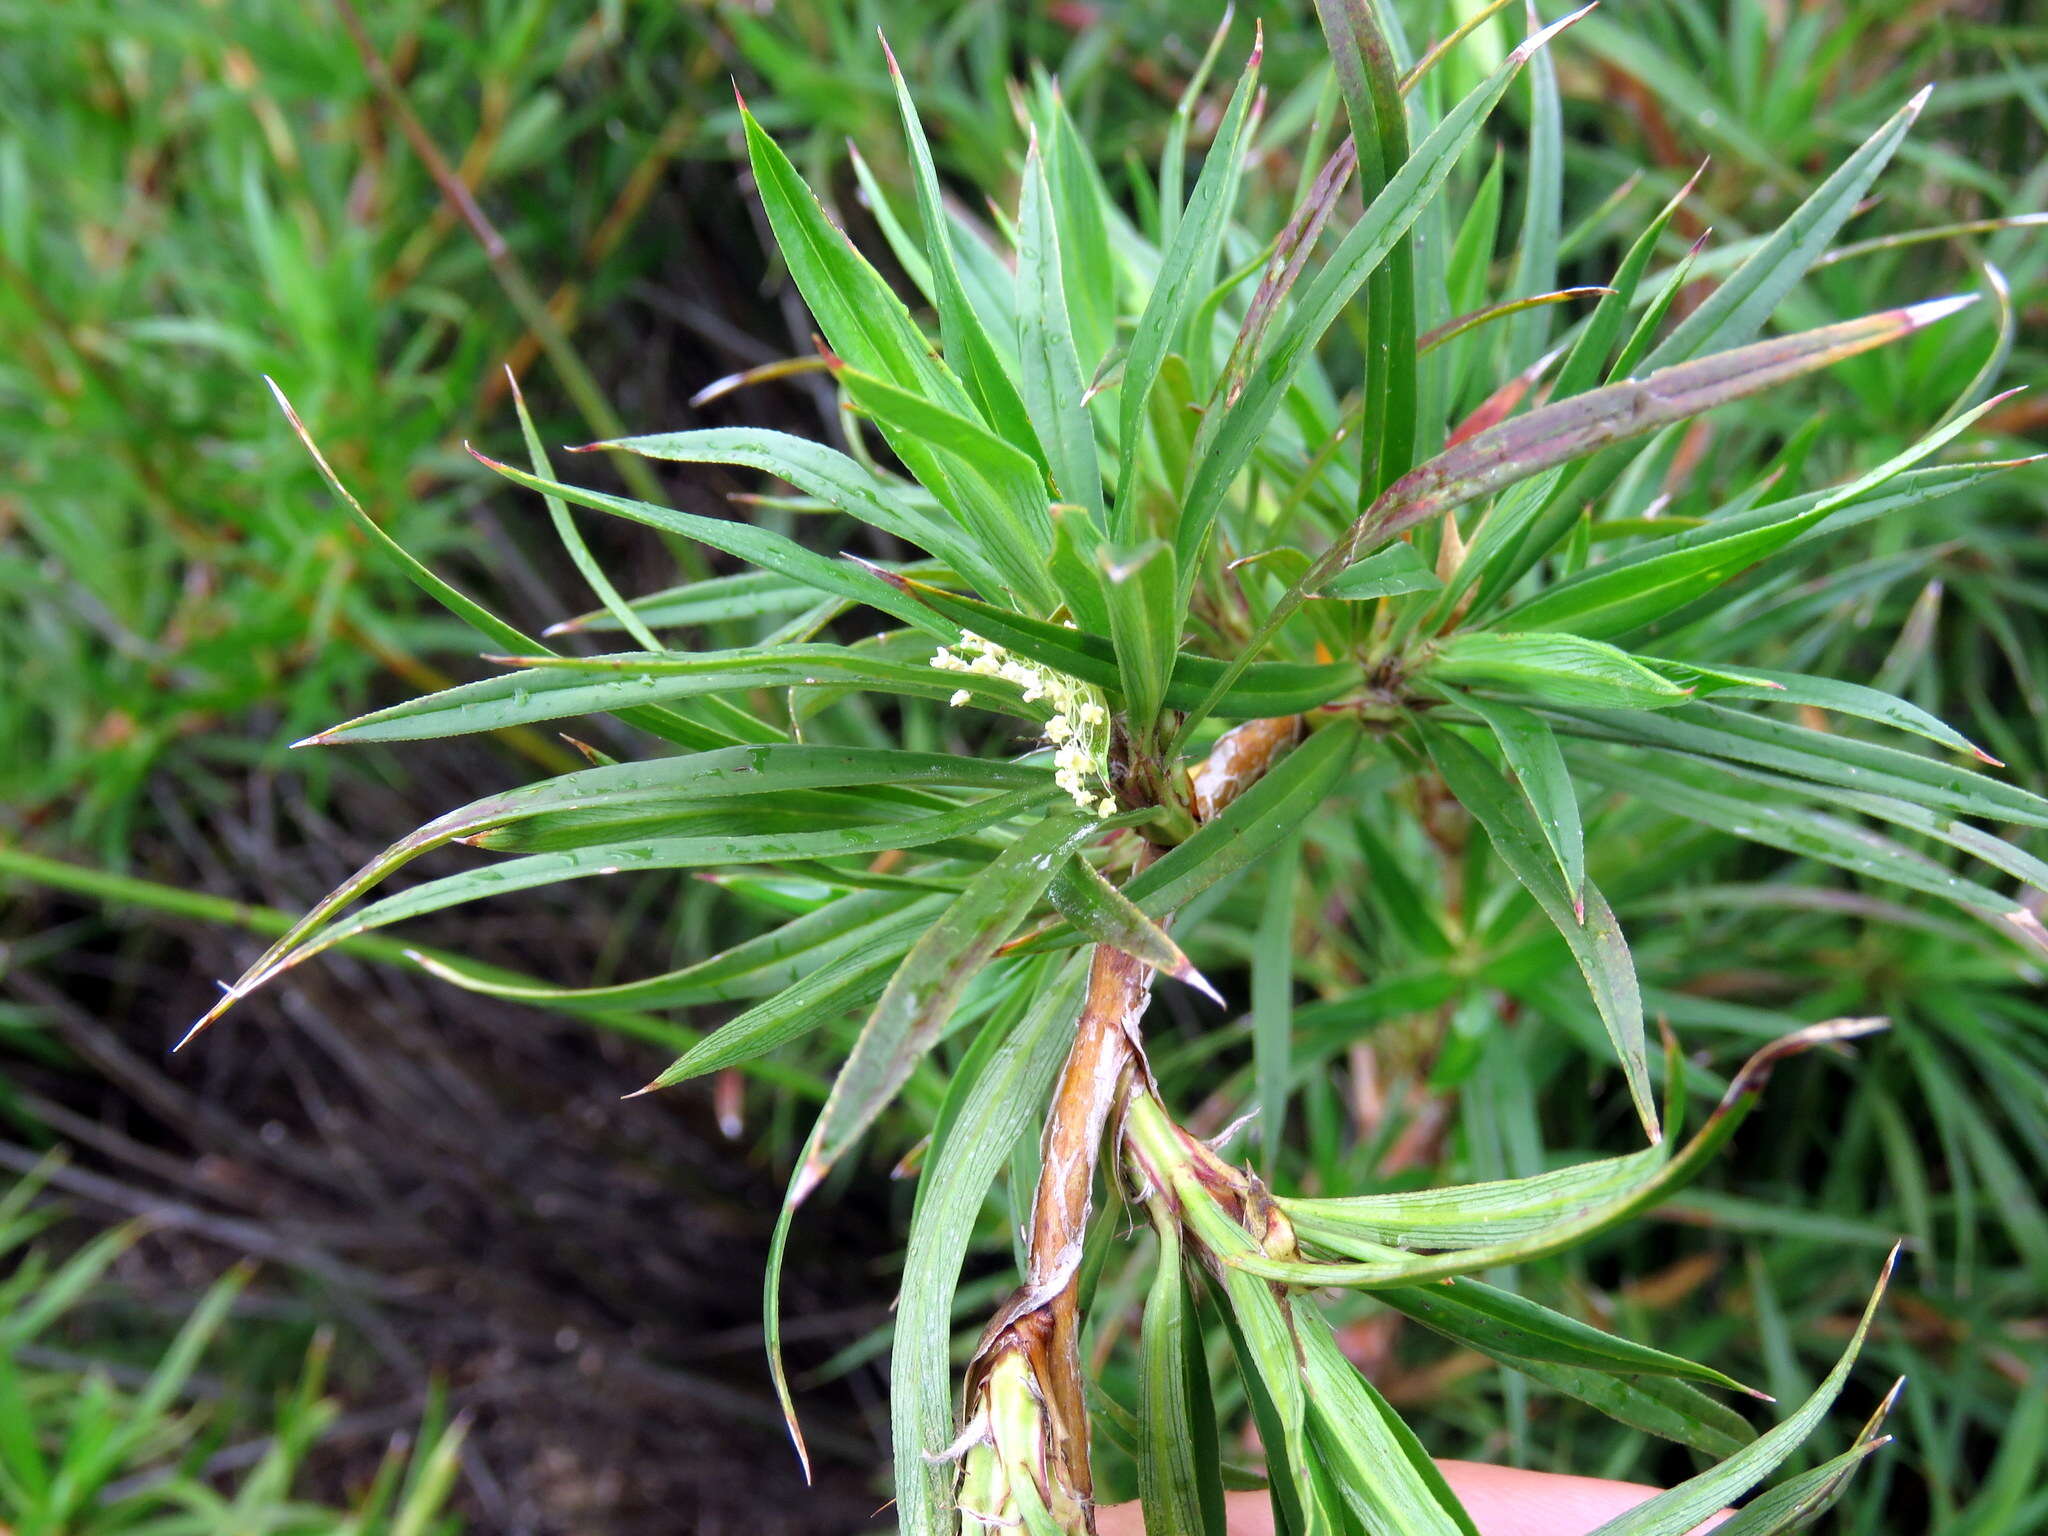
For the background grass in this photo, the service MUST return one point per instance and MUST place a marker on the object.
(192, 197)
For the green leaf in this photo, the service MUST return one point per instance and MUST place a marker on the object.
(1144, 626)
(663, 723)
(1536, 247)
(557, 687)
(1803, 830)
(1084, 212)
(748, 595)
(726, 774)
(1713, 731)
(1180, 1480)
(1490, 1214)
(1797, 1502)
(1656, 1405)
(821, 472)
(771, 1310)
(1185, 267)
(572, 540)
(1856, 700)
(1595, 941)
(857, 310)
(1532, 753)
(969, 347)
(766, 963)
(756, 546)
(1504, 1324)
(1379, 131)
(992, 1099)
(1262, 1339)
(1273, 1000)
(1239, 424)
(1050, 366)
(830, 990)
(1394, 570)
(471, 612)
(1104, 915)
(1261, 691)
(922, 993)
(1526, 445)
(1552, 669)
(1586, 362)
(1327, 1222)
(993, 489)
(310, 937)
(1737, 309)
(1675, 1512)
(1385, 1476)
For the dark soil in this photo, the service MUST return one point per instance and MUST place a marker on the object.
(451, 1182)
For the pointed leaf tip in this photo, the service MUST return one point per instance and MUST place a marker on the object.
(204, 1019)
(899, 582)
(1526, 49)
(1931, 310)
(1201, 984)
(808, 1178)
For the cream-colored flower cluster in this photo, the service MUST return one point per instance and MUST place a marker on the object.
(1078, 729)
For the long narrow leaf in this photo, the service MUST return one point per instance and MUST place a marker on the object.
(921, 995)
(1595, 941)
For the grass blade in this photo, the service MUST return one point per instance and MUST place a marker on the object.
(1050, 365)
(1737, 309)
(1227, 446)
(1179, 1471)
(1379, 131)
(1532, 753)
(1273, 1000)
(757, 546)
(1679, 1510)
(1185, 266)
(1596, 942)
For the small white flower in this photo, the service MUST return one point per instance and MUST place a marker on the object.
(960, 696)
(1077, 726)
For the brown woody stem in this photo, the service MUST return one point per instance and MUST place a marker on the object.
(1042, 1320)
